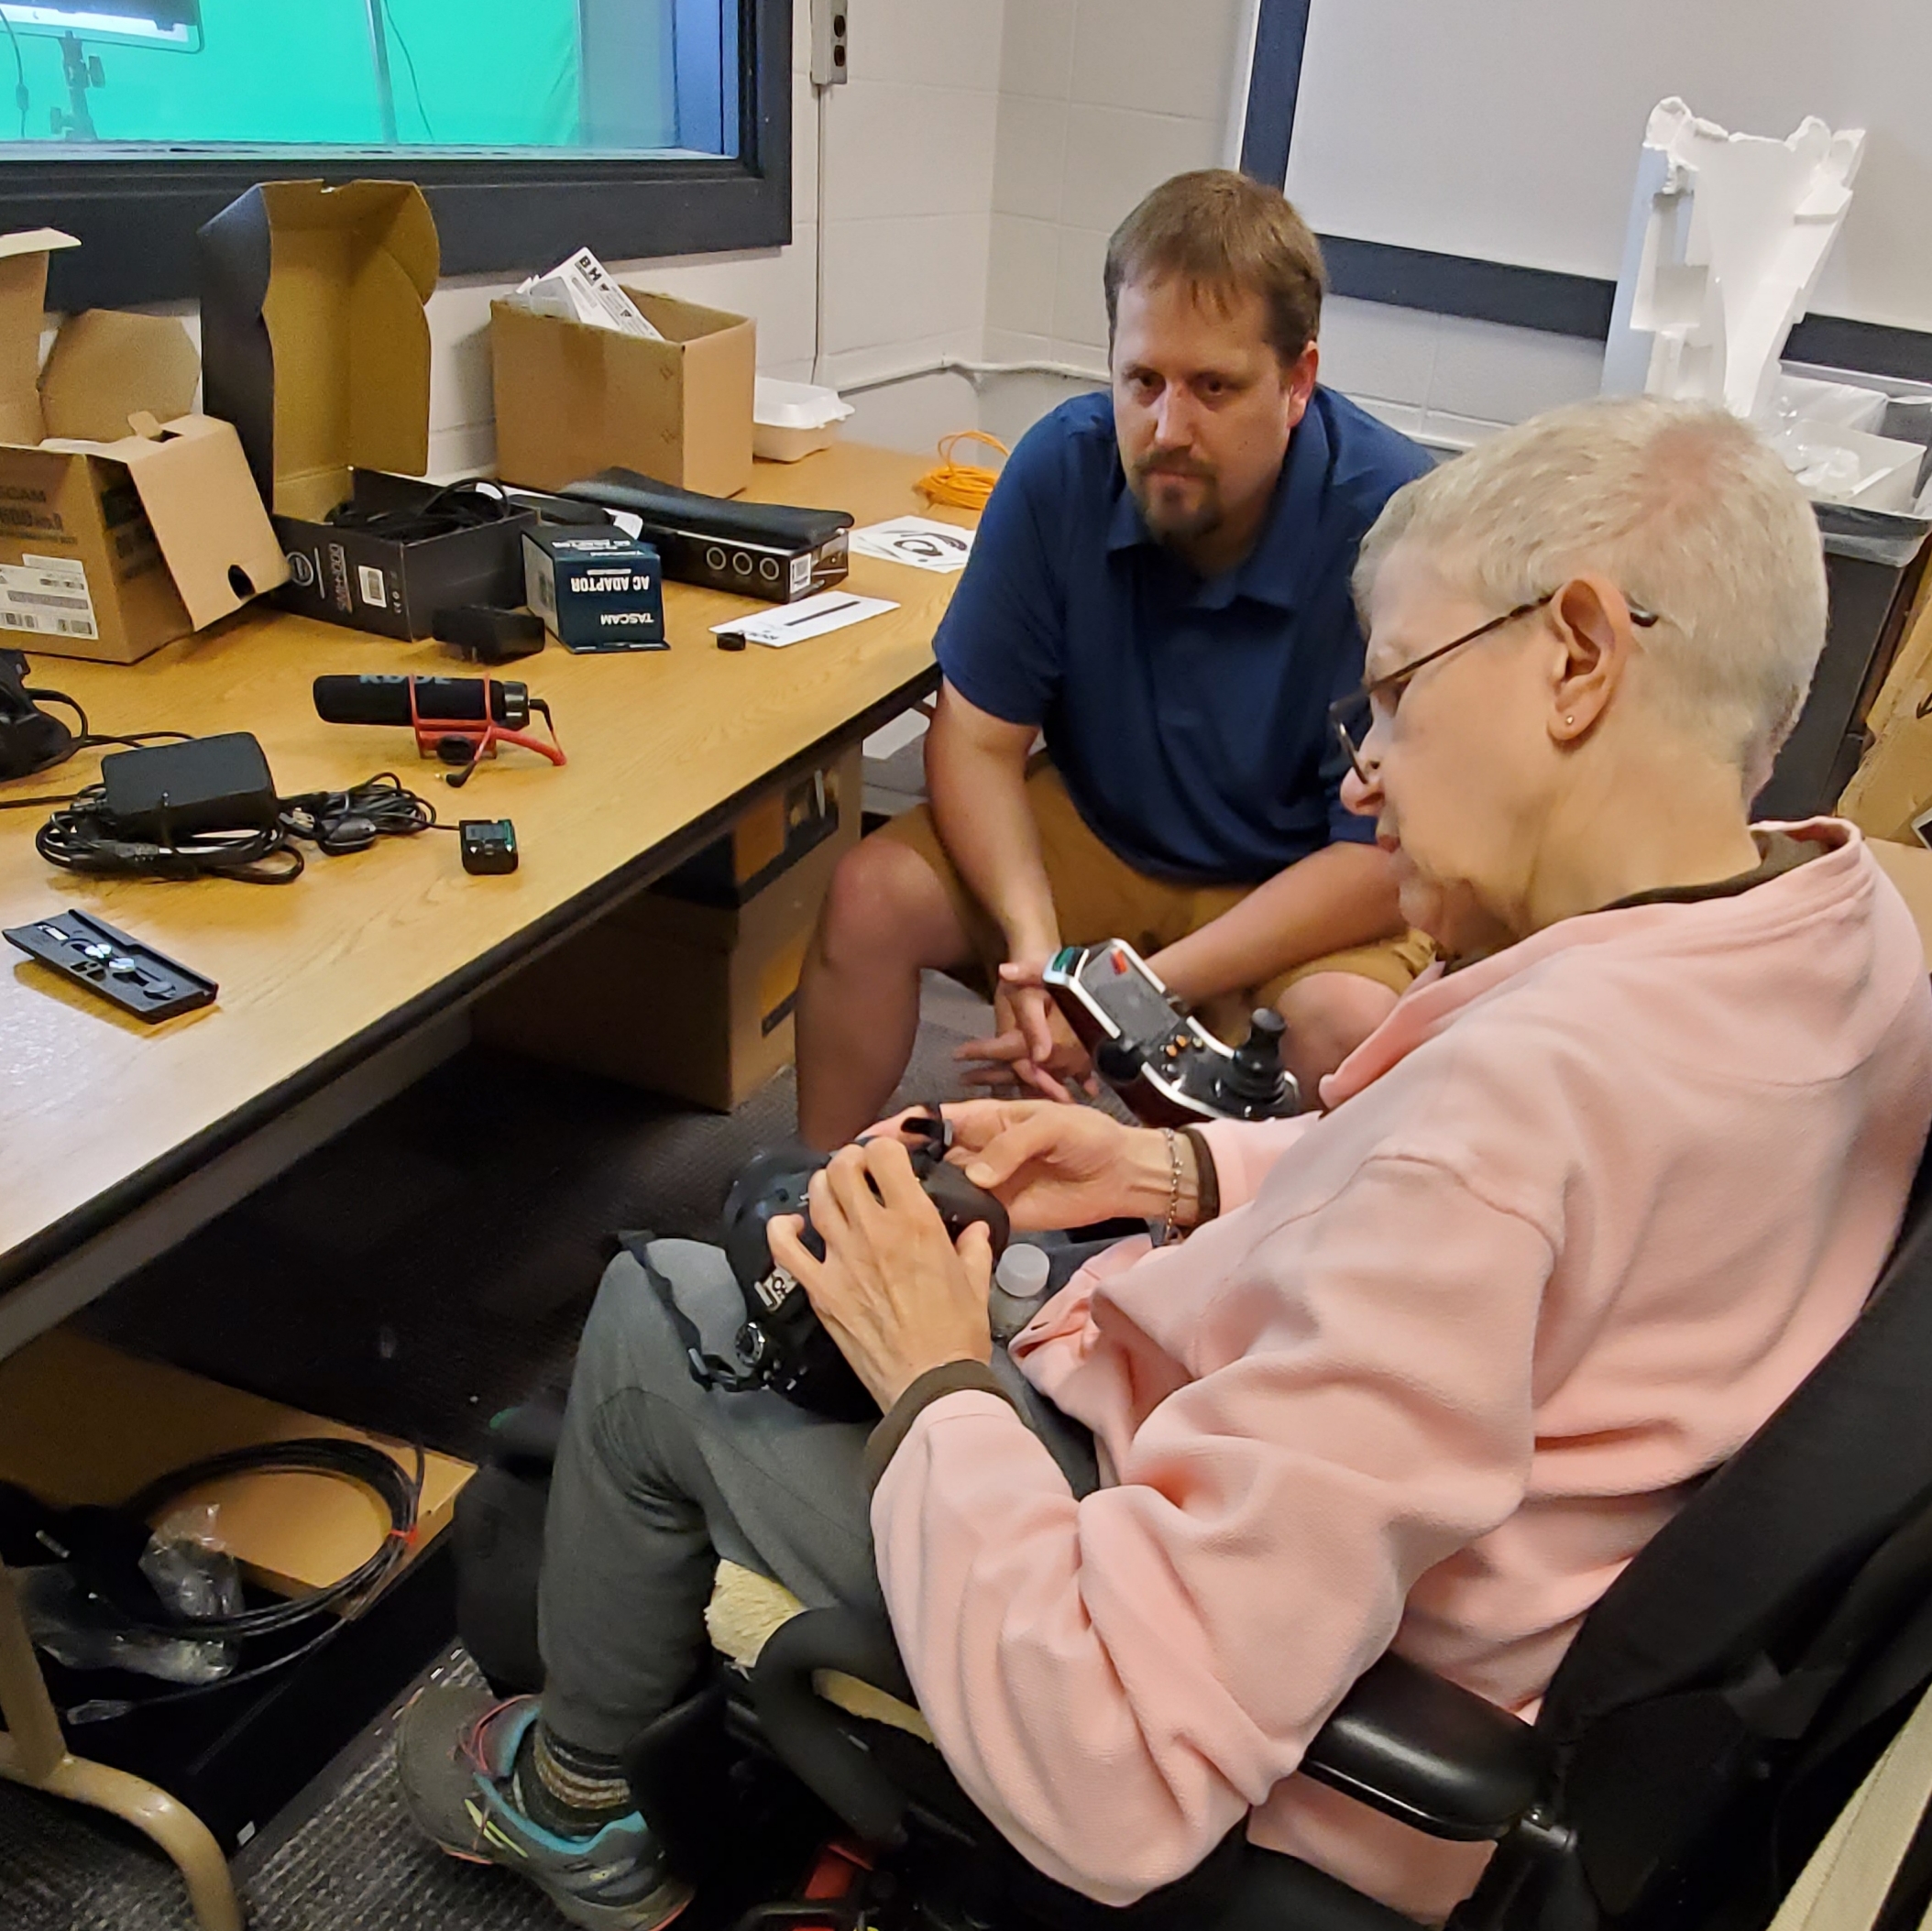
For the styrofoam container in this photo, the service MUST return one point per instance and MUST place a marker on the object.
(1844, 405)
(1848, 465)
(790, 419)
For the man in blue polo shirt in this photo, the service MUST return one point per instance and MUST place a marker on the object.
(1160, 586)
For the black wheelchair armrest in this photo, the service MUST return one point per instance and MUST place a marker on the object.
(1403, 1742)
(806, 1732)
(1430, 1754)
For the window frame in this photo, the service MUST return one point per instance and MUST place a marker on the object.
(137, 217)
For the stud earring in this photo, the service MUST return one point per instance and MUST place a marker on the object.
(1570, 722)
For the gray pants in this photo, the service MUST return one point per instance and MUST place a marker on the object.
(657, 1477)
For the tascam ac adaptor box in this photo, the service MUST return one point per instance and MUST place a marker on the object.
(573, 399)
(316, 345)
(597, 592)
(113, 544)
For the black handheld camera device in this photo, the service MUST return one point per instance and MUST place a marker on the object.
(783, 1344)
(30, 740)
(1169, 1068)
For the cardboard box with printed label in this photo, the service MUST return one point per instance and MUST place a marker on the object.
(597, 590)
(124, 520)
(693, 996)
(316, 345)
(573, 399)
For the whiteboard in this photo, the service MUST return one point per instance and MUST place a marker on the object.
(1508, 129)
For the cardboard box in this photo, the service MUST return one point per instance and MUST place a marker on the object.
(314, 342)
(1909, 867)
(316, 345)
(685, 998)
(771, 835)
(375, 583)
(596, 592)
(572, 398)
(1893, 784)
(105, 368)
(134, 522)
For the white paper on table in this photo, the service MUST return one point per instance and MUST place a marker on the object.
(812, 617)
(917, 541)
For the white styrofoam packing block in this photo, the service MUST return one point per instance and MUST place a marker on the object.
(1727, 237)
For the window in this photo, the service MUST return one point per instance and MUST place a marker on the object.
(633, 126)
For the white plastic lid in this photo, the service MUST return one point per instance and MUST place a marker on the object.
(795, 405)
(1023, 1270)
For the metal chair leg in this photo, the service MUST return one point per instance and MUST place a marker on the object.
(34, 1753)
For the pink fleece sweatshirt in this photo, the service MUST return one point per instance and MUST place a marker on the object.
(1584, 1214)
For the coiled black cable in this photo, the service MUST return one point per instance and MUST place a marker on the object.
(348, 1459)
(80, 837)
(340, 1602)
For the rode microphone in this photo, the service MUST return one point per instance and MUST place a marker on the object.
(401, 700)
(459, 720)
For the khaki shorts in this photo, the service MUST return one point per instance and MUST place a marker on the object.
(1099, 895)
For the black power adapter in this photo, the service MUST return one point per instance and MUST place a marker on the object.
(170, 792)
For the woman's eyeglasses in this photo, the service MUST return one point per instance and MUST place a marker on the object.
(1353, 717)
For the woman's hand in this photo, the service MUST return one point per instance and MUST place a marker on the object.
(1054, 1166)
(894, 1292)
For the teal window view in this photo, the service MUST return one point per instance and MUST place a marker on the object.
(529, 78)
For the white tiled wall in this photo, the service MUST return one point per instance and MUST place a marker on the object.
(1102, 99)
(1446, 380)
(1099, 100)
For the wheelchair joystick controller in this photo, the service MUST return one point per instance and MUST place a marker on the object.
(1255, 1082)
(1164, 1063)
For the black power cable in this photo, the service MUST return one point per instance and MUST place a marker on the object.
(80, 837)
(389, 14)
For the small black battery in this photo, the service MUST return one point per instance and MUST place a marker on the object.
(489, 844)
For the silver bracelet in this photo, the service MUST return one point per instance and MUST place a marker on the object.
(1164, 1231)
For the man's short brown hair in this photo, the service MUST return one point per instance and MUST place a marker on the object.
(1223, 233)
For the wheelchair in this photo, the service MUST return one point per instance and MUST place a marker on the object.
(1716, 1708)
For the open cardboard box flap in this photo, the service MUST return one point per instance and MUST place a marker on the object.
(104, 364)
(207, 518)
(106, 367)
(23, 306)
(314, 339)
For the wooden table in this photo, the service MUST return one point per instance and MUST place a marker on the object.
(100, 1113)
(116, 1138)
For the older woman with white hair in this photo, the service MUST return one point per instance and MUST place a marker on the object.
(1431, 1366)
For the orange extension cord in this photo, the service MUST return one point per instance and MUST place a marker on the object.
(960, 486)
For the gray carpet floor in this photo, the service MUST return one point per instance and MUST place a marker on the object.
(427, 1268)
(353, 1863)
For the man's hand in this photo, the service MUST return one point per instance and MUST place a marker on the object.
(893, 1291)
(1031, 1044)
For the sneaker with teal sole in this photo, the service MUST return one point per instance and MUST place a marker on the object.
(455, 1750)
